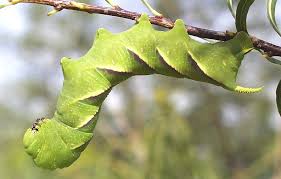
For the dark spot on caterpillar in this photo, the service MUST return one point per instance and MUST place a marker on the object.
(141, 61)
(36, 124)
(169, 67)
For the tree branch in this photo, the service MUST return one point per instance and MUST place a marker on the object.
(268, 48)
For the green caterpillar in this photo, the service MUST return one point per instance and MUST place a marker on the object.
(141, 50)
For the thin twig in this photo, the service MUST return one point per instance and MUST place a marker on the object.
(269, 48)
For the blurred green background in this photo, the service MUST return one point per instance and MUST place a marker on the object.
(150, 126)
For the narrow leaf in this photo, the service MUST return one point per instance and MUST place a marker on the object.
(271, 6)
(278, 97)
(270, 59)
(241, 14)
(230, 7)
(273, 60)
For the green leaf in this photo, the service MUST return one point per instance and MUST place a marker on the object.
(269, 58)
(230, 7)
(273, 60)
(241, 14)
(271, 6)
(278, 97)
(110, 2)
(153, 11)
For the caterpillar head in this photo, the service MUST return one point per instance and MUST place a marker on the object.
(53, 145)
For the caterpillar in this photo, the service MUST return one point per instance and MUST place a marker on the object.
(141, 50)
